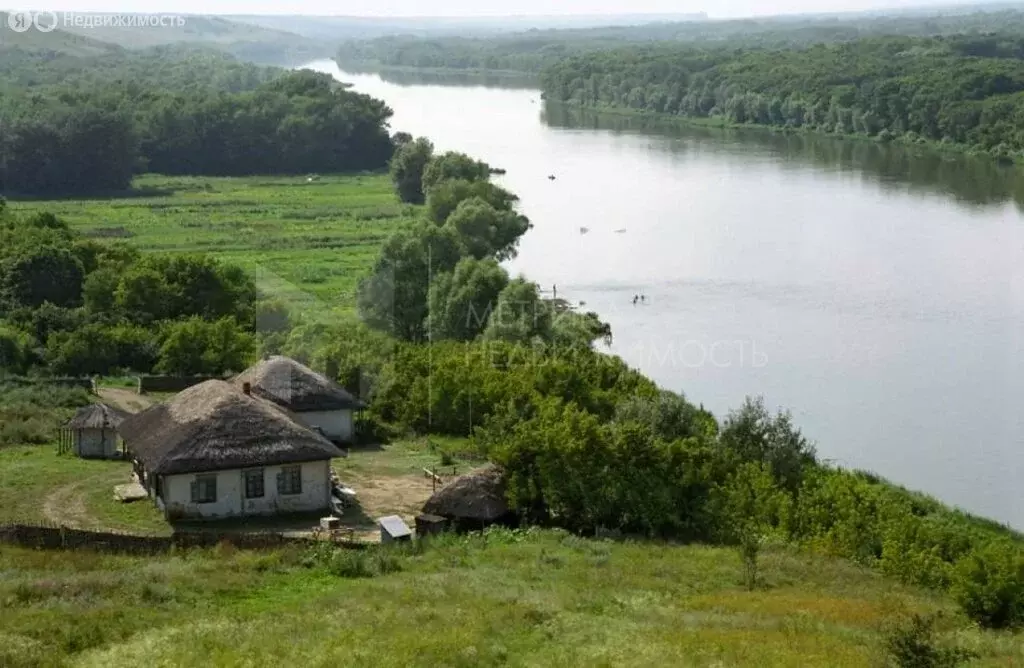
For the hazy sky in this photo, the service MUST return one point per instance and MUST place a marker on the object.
(715, 8)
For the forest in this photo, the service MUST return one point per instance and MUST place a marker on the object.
(958, 90)
(535, 50)
(88, 125)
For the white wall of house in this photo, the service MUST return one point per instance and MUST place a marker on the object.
(336, 425)
(231, 498)
(95, 442)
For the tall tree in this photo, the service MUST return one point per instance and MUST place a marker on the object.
(407, 167)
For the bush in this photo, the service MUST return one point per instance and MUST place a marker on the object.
(989, 585)
(913, 644)
(351, 564)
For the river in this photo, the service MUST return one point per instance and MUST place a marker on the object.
(876, 292)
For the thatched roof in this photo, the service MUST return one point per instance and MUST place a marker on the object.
(475, 496)
(96, 416)
(214, 426)
(295, 386)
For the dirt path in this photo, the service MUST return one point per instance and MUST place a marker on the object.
(65, 506)
(126, 400)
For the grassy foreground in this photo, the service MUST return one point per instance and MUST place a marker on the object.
(308, 242)
(516, 599)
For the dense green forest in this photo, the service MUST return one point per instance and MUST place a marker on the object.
(957, 90)
(534, 50)
(86, 125)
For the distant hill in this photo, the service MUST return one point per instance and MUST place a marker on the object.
(339, 28)
(244, 40)
(58, 41)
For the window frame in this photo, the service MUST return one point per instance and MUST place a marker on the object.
(289, 481)
(204, 482)
(249, 478)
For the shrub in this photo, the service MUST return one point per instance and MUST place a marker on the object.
(989, 585)
(351, 564)
(913, 644)
(750, 549)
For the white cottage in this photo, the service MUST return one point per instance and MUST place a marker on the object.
(92, 432)
(311, 398)
(214, 452)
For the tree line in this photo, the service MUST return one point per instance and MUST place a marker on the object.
(960, 90)
(91, 133)
(533, 51)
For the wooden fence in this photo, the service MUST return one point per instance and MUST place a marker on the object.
(88, 384)
(39, 536)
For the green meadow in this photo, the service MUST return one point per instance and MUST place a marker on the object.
(308, 242)
(535, 598)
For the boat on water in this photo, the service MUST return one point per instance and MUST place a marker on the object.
(584, 230)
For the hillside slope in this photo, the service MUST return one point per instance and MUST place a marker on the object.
(58, 41)
(512, 599)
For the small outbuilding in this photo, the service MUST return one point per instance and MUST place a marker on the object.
(473, 501)
(311, 398)
(430, 525)
(92, 432)
(393, 528)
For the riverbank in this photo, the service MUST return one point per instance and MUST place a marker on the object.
(523, 80)
(719, 122)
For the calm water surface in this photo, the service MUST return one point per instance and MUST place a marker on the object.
(876, 293)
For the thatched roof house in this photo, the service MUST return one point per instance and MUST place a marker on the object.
(473, 500)
(315, 400)
(209, 450)
(212, 426)
(92, 432)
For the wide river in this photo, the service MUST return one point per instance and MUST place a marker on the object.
(875, 292)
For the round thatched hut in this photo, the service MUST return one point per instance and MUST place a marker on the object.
(473, 501)
(92, 432)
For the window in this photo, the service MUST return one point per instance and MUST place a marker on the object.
(204, 489)
(289, 480)
(254, 484)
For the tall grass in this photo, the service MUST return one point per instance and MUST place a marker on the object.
(32, 414)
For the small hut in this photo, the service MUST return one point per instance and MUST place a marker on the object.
(472, 501)
(92, 432)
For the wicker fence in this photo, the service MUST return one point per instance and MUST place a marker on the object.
(88, 384)
(41, 536)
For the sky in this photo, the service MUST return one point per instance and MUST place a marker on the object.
(714, 8)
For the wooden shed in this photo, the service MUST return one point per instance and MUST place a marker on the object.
(428, 525)
(92, 432)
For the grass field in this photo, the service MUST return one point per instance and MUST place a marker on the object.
(537, 599)
(308, 242)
